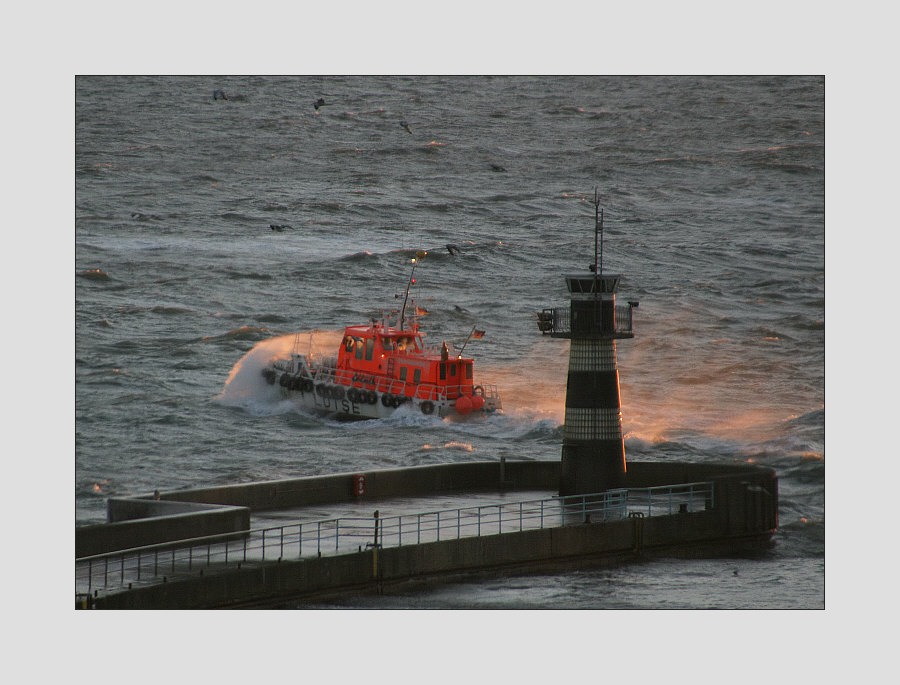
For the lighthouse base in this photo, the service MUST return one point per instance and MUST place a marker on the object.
(593, 467)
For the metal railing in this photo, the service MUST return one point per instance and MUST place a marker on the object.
(310, 539)
(346, 379)
(556, 321)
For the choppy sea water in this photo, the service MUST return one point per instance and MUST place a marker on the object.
(713, 196)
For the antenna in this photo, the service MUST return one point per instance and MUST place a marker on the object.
(420, 254)
(598, 235)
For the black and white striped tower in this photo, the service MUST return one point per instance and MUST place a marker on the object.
(593, 450)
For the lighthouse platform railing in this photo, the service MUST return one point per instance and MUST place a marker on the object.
(556, 321)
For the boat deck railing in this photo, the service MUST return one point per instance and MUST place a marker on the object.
(395, 386)
(347, 535)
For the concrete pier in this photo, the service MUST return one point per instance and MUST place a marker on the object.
(740, 512)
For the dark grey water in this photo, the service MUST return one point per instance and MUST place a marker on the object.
(713, 190)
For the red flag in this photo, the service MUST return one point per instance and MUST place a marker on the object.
(477, 334)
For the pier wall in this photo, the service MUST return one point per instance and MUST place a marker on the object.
(380, 484)
(140, 522)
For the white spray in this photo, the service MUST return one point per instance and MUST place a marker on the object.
(246, 387)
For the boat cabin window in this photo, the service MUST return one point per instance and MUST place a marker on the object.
(388, 344)
(403, 372)
(405, 342)
(469, 371)
(370, 348)
(443, 372)
(417, 376)
(453, 371)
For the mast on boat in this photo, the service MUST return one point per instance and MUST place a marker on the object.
(420, 254)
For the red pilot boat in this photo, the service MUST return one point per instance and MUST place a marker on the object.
(380, 368)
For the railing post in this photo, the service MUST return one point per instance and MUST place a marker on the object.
(439, 526)
(264, 545)
(337, 533)
(418, 528)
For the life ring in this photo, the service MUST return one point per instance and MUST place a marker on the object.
(337, 392)
(386, 400)
(284, 381)
(352, 395)
(371, 396)
(269, 375)
(308, 385)
(427, 407)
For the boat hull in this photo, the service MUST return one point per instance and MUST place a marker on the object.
(357, 402)
(346, 405)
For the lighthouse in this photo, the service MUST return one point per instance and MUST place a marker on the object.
(593, 449)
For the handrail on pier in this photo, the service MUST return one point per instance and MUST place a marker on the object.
(345, 535)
